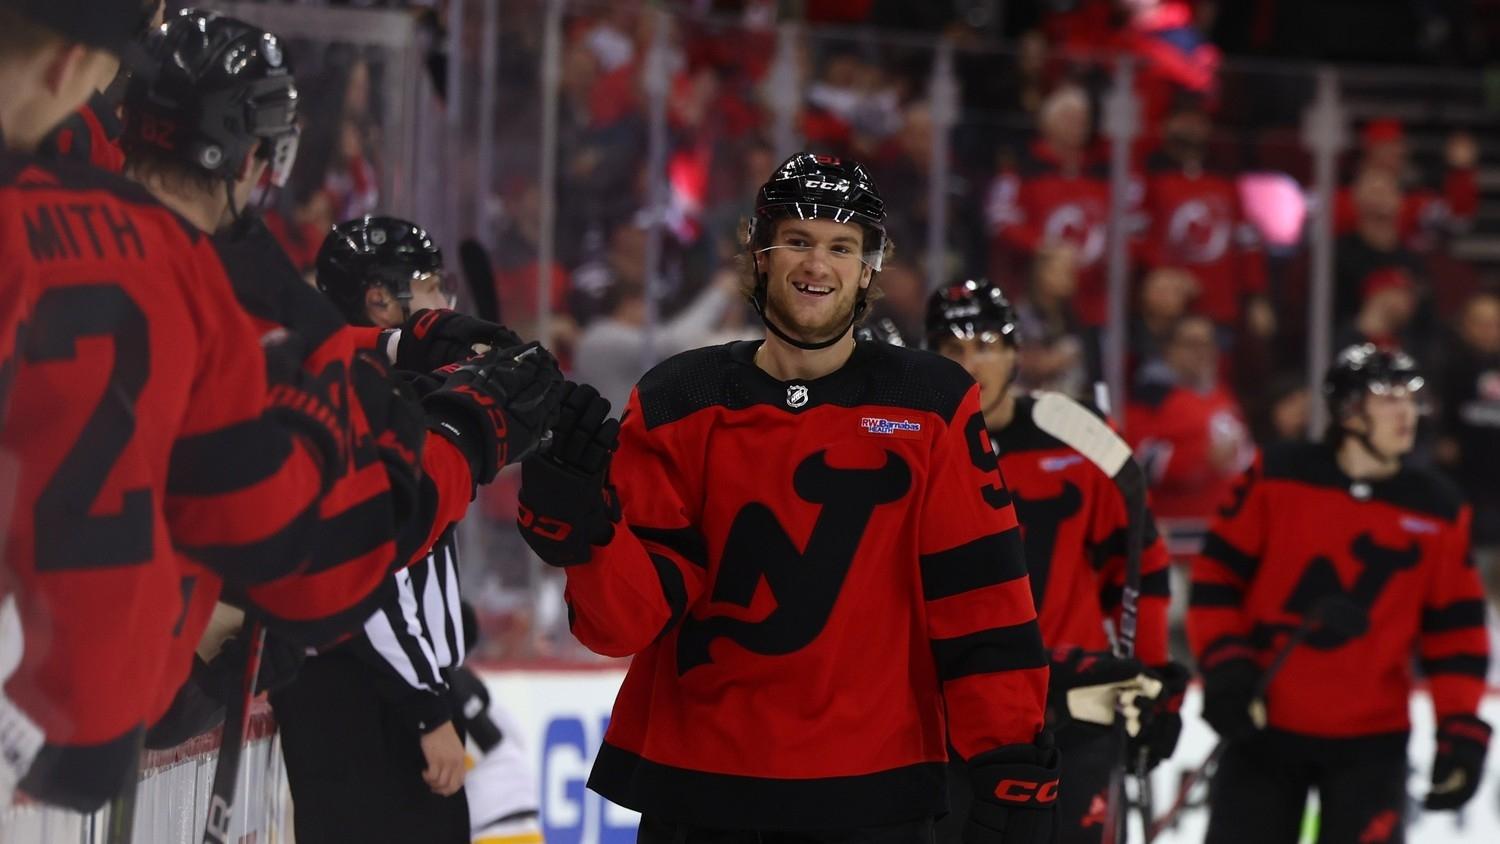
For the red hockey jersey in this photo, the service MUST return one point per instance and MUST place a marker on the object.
(813, 573)
(135, 425)
(1297, 529)
(1073, 524)
(1196, 223)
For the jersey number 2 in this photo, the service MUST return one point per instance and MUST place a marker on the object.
(68, 535)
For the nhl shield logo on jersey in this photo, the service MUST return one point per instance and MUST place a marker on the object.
(796, 395)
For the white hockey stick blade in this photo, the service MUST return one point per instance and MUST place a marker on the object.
(1078, 428)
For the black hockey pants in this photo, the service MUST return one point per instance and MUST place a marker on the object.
(1260, 790)
(354, 768)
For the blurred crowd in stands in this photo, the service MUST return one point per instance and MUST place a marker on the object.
(1218, 201)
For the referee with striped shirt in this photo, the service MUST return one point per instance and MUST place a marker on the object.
(372, 745)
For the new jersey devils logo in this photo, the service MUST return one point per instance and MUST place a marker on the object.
(1079, 226)
(1199, 231)
(804, 583)
(1320, 579)
(1041, 519)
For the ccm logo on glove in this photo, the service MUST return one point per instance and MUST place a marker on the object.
(1023, 791)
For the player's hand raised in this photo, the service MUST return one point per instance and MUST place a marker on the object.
(497, 406)
(432, 339)
(567, 507)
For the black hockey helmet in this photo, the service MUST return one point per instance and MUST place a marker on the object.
(1365, 368)
(220, 87)
(808, 186)
(971, 309)
(882, 330)
(369, 251)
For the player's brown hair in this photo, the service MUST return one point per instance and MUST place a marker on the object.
(146, 162)
(20, 37)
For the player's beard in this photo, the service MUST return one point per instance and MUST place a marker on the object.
(827, 324)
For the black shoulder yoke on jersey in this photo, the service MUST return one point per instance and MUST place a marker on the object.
(28, 173)
(1023, 434)
(267, 284)
(726, 376)
(1413, 488)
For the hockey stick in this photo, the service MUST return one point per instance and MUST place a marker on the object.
(1336, 613)
(1078, 428)
(479, 276)
(121, 826)
(236, 722)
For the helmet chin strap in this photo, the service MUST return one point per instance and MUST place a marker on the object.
(1368, 444)
(759, 301)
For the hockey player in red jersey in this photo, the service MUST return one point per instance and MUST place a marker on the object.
(805, 545)
(132, 355)
(151, 458)
(369, 522)
(1347, 516)
(1073, 521)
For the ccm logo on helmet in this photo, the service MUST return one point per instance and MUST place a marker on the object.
(821, 184)
(1023, 791)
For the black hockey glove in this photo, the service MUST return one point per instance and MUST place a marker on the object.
(496, 407)
(1084, 687)
(1161, 718)
(566, 505)
(432, 339)
(1015, 794)
(1228, 689)
(1458, 764)
(280, 660)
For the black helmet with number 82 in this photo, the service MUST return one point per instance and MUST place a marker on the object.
(220, 87)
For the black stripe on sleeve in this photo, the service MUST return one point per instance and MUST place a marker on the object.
(1458, 615)
(1217, 549)
(227, 460)
(686, 542)
(986, 561)
(1469, 665)
(354, 533)
(673, 588)
(278, 555)
(988, 651)
(1157, 584)
(1114, 545)
(395, 615)
(1206, 595)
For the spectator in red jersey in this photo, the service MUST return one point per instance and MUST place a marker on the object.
(1196, 223)
(1375, 243)
(1059, 194)
(1185, 426)
(1384, 149)
(1385, 315)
